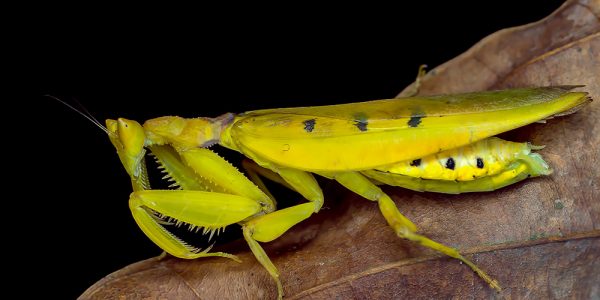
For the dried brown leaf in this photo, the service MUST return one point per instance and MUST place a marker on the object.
(540, 238)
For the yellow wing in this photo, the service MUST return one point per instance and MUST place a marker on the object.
(365, 135)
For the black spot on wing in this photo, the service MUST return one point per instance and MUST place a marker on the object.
(480, 163)
(361, 121)
(450, 163)
(415, 163)
(361, 124)
(309, 125)
(414, 121)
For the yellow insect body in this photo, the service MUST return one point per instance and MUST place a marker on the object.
(384, 132)
(437, 144)
(483, 158)
(483, 166)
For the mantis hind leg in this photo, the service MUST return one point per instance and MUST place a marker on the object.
(417, 86)
(422, 72)
(403, 227)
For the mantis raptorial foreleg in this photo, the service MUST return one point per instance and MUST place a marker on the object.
(207, 211)
(146, 205)
(263, 228)
(213, 168)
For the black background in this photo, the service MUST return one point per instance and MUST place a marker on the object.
(73, 225)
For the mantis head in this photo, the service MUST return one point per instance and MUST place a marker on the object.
(129, 139)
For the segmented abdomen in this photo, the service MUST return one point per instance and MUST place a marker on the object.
(483, 158)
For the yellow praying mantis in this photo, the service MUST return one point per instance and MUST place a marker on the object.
(441, 144)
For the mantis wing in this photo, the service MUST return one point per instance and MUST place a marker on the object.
(361, 136)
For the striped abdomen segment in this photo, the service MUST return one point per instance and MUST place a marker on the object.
(484, 158)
